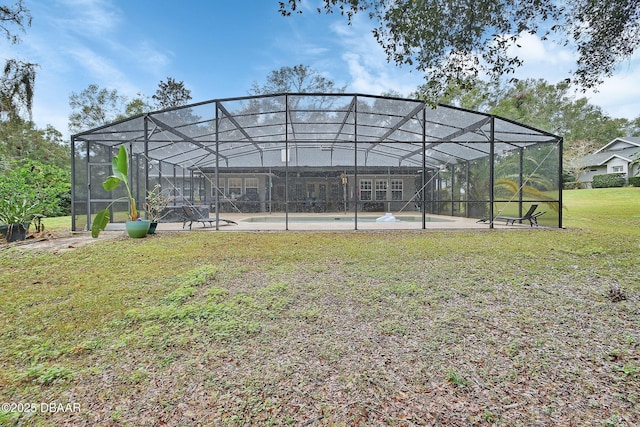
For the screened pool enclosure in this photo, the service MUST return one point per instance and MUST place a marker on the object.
(360, 156)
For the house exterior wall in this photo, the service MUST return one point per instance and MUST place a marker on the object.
(587, 177)
(617, 165)
(264, 192)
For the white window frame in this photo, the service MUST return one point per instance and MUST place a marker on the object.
(382, 186)
(617, 169)
(251, 184)
(234, 183)
(397, 188)
(366, 187)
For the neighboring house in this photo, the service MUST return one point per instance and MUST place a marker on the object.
(615, 157)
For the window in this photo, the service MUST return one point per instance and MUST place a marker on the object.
(235, 187)
(299, 192)
(365, 189)
(322, 191)
(617, 169)
(220, 192)
(396, 189)
(381, 189)
(251, 188)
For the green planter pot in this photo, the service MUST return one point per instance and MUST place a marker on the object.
(137, 229)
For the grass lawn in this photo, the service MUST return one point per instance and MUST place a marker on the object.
(408, 328)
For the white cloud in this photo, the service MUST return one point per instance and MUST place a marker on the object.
(99, 68)
(367, 64)
(94, 18)
(542, 59)
(619, 95)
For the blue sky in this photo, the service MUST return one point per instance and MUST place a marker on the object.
(219, 48)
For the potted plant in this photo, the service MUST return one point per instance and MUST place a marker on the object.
(16, 213)
(135, 227)
(155, 206)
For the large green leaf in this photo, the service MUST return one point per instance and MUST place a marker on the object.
(111, 183)
(121, 164)
(100, 223)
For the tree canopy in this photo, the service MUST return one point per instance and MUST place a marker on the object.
(299, 78)
(94, 107)
(171, 94)
(21, 140)
(17, 79)
(454, 40)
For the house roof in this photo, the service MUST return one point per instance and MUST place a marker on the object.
(629, 141)
(602, 156)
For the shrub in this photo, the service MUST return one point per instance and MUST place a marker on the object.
(609, 180)
(634, 181)
(45, 187)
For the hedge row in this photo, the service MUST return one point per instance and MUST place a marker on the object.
(609, 180)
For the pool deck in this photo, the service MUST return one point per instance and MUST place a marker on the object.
(332, 222)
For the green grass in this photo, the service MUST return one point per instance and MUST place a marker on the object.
(57, 224)
(510, 327)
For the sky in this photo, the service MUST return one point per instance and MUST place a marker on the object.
(219, 48)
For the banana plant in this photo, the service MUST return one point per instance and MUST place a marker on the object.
(511, 187)
(120, 166)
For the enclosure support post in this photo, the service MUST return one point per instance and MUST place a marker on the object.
(467, 190)
(560, 183)
(217, 178)
(356, 185)
(453, 185)
(491, 170)
(423, 182)
(73, 184)
(146, 160)
(286, 162)
(521, 184)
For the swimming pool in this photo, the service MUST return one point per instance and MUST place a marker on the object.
(336, 219)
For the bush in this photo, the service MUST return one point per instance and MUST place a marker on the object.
(46, 188)
(609, 180)
(634, 181)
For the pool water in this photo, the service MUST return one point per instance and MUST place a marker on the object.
(334, 219)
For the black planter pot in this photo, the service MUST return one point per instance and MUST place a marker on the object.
(17, 232)
(152, 228)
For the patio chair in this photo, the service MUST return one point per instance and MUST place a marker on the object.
(529, 216)
(193, 215)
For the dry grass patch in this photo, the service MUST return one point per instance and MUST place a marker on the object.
(398, 328)
(535, 327)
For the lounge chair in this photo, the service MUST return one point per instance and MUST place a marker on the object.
(193, 215)
(529, 216)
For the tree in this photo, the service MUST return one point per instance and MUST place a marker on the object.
(552, 108)
(21, 140)
(452, 40)
(94, 107)
(555, 109)
(137, 105)
(171, 94)
(298, 79)
(572, 158)
(634, 127)
(17, 80)
(474, 95)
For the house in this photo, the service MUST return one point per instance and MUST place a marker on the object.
(615, 157)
